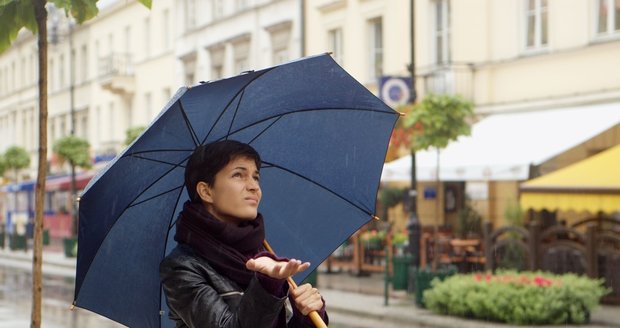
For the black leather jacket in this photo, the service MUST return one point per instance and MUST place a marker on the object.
(199, 297)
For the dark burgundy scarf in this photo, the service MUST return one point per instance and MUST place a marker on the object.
(227, 247)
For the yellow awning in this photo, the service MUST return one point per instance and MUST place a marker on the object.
(591, 185)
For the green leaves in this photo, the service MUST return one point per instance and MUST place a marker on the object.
(2, 166)
(15, 14)
(440, 119)
(132, 133)
(530, 298)
(73, 149)
(81, 10)
(16, 158)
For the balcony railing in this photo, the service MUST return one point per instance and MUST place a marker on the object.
(456, 79)
(116, 73)
(116, 64)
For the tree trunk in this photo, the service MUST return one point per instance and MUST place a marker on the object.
(41, 16)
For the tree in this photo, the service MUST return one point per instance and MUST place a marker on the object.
(74, 150)
(2, 165)
(437, 120)
(32, 14)
(132, 133)
(16, 158)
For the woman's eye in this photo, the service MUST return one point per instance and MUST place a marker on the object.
(236, 175)
(257, 178)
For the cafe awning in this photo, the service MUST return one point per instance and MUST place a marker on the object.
(590, 185)
(503, 146)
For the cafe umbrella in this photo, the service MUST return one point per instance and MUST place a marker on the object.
(322, 137)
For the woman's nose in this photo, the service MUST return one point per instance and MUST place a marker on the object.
(253, 185)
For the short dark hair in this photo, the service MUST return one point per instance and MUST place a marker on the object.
(207, 160)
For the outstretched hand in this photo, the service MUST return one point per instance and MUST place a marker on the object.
(276, 269)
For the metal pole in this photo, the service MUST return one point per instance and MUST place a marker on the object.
(72, 114)
(413, 225)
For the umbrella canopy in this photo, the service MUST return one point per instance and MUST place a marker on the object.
(322, 137)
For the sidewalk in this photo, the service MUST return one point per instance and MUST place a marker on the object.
(357, 301)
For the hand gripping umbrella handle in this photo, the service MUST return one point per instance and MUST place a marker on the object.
(314, 316)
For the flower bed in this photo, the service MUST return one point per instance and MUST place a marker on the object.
(529, 298)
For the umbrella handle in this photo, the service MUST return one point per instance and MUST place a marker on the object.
(314, 316)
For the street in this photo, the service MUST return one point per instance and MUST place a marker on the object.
(16, 302)
(15, 305)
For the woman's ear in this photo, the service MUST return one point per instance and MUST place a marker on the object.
(204, 192)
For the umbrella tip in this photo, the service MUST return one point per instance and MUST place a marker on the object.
(376, 218)
(401, 114)
(72, 307)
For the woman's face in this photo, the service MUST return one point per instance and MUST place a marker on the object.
(235, 193)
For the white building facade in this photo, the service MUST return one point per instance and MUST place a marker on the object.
(225, 38)
(119, 69)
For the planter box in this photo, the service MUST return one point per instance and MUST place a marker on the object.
(46, 237)
(401, 271)
(70, 246)
(17, 242)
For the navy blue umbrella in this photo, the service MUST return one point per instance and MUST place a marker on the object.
(322, 137)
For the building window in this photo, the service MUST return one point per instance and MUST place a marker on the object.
(376, 48)
(536, 23)
(217, 63)
(61, 68)
(608, 17)
(84, 70)
(189, 66)
(51, 76)
(441, 29)
(241, 56)
(334, 40)
(190, 14)
(280, 39)
(127, 39)
(166, 94)
(166, 28)
(147, 37)
(218, 9)
(241, 5)
(84, 128)
(148, 104)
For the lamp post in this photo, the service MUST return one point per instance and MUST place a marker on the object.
(413, 224)
(55, 39)
(72, 116)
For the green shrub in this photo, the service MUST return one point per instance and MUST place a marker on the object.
(528, 298)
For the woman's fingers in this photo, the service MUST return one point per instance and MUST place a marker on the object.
(276, 269)
(307, 299)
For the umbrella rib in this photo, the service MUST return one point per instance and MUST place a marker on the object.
(230, 102)
(175, 209)
(265, 129)
(158, 161)
(318, 185)
(125, 209)
(235, 114)
(163, 193)
(155, 151)
(189, 126)
(309, 110)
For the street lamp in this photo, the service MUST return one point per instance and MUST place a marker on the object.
(413, 224)
(55, 39)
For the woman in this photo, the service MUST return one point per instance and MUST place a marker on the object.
(220, 275)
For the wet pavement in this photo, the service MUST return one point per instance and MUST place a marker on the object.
(16, 302)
